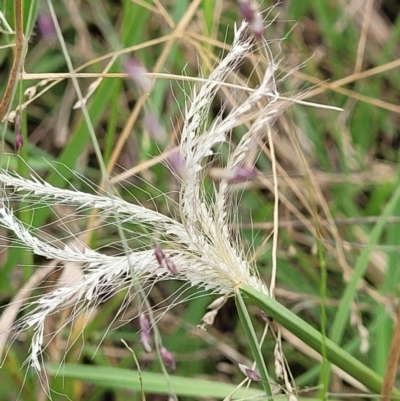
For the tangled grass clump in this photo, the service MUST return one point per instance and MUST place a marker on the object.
(127, 252)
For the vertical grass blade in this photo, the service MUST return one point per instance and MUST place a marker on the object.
(253, 343)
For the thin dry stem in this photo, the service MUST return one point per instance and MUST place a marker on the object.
(16, 66)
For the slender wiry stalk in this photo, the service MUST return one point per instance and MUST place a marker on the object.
(5, 101)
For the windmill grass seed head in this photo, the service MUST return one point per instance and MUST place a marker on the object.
(198, 249)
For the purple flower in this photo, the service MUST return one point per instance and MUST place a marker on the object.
(170, 265)
(168, 358)
(241, 174)
(19, 141)
(159, 254)
(247, 10)
(250, 373)
(178, 164)
(46, 26)
(250, 12)
(145, 339)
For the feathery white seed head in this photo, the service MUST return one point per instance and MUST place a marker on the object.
(199, 249)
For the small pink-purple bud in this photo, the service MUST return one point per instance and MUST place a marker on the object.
(257, 27)
(178, 164)
(159, 254)
(154, 128)
(138, 72)
(18, 124)
(250, 12)
(170, 265)
(46, 27)
(145, 339)
(144, 323)
(241, 174)
(250, 373)
(19, 141)
(168, 358)
(247, 10)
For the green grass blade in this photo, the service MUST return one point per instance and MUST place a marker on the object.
(253, 343)
(155, 383)
(314, 338)
(343, 312)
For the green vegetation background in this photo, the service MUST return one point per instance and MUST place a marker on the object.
(345, 162)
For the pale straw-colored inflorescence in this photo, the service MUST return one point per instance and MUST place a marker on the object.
(200, 244)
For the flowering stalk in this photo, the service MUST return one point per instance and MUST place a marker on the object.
(199, 249)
